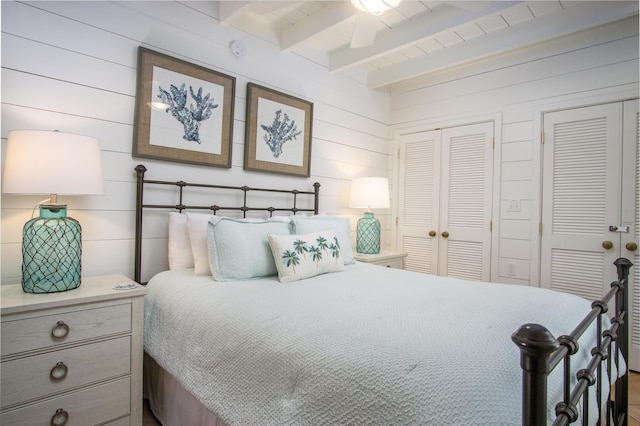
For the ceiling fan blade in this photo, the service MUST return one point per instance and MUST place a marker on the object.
(364, 30)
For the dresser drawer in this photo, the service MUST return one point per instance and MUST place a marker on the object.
(396, 264)
(91, 406)
(27, 378)
(37, 332)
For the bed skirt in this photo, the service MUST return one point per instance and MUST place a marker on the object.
(170, 403)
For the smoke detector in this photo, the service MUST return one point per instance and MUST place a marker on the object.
(238, 48)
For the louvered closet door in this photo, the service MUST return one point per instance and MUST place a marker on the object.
(590, 182)
(580, 199)
(465, 224)
(418, 197)
(444, 198)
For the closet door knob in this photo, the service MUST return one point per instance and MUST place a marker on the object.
(607, 244)
(631, 246)
(445, 234)
(432, 233)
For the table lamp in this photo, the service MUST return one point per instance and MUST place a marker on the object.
(369, 192)
(51, 162)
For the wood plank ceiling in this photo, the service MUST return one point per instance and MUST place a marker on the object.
(416, 38)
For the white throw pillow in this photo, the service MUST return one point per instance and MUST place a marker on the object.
(239, 248)
(341, 225)
(180, 254)
(303, 256)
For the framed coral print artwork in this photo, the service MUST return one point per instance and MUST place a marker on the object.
(278, 132)
(183, 112)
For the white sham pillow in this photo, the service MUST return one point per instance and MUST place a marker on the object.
(341, 226)
(179, 249)
(300, 256)
(239, 248)
(197, 226)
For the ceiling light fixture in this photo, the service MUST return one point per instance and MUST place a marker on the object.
(375, 7)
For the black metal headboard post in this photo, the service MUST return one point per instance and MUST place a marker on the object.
(140, 169)
(181, 185)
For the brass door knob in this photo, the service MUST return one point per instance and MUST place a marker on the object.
(432, 233)
(445, 234)
(631, 246)
(607, 245)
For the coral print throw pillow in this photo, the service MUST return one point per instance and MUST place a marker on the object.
(303, 256)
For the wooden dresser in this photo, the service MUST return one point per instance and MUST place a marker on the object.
(74, 357)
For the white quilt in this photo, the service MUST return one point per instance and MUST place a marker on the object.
(366, 346)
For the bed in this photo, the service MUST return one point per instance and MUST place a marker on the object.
(251, 328)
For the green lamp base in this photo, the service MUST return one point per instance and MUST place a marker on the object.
(368, 234)
(51, 251)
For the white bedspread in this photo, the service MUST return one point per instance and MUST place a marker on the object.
(366, 346)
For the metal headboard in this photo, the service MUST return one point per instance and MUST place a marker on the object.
(181, 185)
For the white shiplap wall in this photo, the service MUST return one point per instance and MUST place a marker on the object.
(595, 66)
(71, 66)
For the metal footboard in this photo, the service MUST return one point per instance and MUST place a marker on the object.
(541, 352)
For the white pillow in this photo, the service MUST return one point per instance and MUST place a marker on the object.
(239, 248)
(180, 254)
(303, 256)
(341, 225)
(197, 226)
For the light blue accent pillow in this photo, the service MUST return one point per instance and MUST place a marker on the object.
(239, 248)
(341, 226)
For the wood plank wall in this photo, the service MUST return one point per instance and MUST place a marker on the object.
(595, 66)
(71, 66)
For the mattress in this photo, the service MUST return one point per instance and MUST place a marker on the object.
(368, 345)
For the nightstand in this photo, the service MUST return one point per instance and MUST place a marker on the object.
(74, 355)
(390, 259)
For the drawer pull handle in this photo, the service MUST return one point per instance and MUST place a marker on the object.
(60, 330)
(60, 418)
(59, 371)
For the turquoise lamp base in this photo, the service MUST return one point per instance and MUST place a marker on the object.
(368, 234)
(51, 251)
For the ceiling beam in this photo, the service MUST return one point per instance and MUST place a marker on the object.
(413, 31)
(228, 11)
(265, 7)
(565, 21)
(326, 19)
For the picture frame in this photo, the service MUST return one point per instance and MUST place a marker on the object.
(183, 111)
(278, 132)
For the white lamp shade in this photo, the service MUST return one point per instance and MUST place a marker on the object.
(51, 162)
(369, 192)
